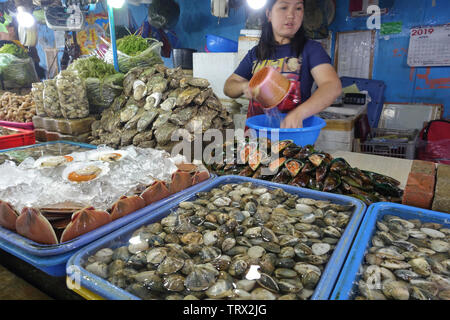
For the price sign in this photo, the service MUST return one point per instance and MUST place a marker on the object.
(429, 46)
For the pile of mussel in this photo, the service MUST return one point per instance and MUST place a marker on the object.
(237, 241)
(408, 260)
(285, 162)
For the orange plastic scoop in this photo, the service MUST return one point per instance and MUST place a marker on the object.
(269, 87)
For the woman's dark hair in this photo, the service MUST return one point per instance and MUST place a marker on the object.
(267, 44)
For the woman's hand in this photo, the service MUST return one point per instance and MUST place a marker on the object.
(293, 120)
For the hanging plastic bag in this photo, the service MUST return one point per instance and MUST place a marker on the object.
(51, 99)
(16, 72)
(102, 92)
(37, 91)
(72, 95)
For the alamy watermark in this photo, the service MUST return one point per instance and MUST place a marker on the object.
(374, 21)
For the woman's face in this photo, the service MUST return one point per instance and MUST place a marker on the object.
(286, 17)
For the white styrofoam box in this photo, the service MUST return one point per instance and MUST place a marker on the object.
(330, 140)
(329, 146)
(216, 67)
(336, 135)
(348, 109)
(245, 44)
(251, 33)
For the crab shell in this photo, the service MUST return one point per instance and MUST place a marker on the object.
(33, 225)
(70, 173)
(126, 205)
(157, 191)
(8, 215)
(83, 221)
(52, 161)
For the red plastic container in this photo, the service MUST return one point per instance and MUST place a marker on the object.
(20, 125)
(22, 138)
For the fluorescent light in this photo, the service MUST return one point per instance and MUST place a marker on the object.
(24, 18)
(116, 3)
(256, 4)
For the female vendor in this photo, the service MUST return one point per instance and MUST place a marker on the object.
(284, 46)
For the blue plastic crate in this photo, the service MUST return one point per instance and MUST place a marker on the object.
(376, 90)
(54, 266)
(349, 277)
(120, 237)
(52, 259)
(79, 144)
(41, 250)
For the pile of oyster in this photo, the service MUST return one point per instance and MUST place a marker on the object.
(408, 259)
(237, 241)
(158, 102)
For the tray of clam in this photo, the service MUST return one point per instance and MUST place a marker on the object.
(399, 253)
(234, 238)
(56, 204)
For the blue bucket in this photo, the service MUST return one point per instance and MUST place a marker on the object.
(220, 44)
(301, 136)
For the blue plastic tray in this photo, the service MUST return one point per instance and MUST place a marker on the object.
(376, 90)
(80, 144)
(54, 266)
(42, 250)
(349, 274)
(120, 237)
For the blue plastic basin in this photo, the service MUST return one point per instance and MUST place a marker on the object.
(121, 236)
(52, 259)
(301, 136)
(220, 44)
(350, 274)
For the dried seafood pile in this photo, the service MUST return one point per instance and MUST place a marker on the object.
(307, 168)
(158, 102)
(17, 108)
(237, 241)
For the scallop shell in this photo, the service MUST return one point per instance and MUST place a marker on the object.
(85, 171)
(108, 155)
(53, 161)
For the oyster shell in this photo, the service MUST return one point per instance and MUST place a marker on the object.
(128, 113)
(187, 96)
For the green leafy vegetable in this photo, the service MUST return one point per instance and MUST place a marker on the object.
(14, 50)
(92, 67)
(132, 45)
